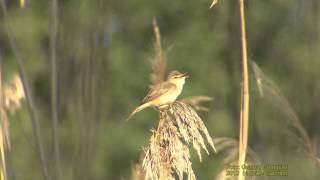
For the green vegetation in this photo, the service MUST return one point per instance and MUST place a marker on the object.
(87, 64)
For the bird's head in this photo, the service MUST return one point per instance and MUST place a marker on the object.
(176, 76)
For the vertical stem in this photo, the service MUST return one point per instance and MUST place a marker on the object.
(3, 168)
(53, 26)
(244, 113)
(29, 97)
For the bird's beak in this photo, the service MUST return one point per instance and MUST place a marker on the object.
(185, 75)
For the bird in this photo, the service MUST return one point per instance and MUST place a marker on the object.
(163, 93)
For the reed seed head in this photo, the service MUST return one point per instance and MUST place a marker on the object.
(167, 155)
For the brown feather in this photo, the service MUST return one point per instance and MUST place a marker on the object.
(158, 90)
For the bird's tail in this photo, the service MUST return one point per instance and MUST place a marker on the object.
(138, 109)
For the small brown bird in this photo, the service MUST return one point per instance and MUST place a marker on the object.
(163, 93)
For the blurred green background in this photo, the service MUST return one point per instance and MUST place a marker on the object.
(104, 49)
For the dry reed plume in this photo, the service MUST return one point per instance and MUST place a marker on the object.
(11, 96)
(13, 93)
(167, 155)
(268, 89)
(159, 62)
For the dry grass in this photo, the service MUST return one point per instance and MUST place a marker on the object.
(13, 93)
(244, 112)
(11, 96)
(158, 64)
(137, 172)
(167, 155)
(214, 2)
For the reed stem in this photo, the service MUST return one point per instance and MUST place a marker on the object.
(244, 112)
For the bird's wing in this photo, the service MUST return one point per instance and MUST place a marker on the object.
(158, 90)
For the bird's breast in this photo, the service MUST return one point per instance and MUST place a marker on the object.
(170, 96)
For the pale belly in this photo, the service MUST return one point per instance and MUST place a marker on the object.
(168, 98)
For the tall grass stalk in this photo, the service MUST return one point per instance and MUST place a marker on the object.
(53, 26)
(244, 112)
(29, 97)
(3, 118)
